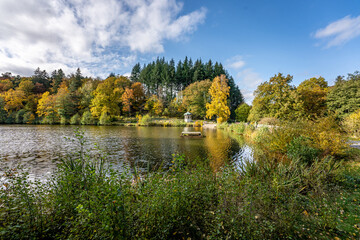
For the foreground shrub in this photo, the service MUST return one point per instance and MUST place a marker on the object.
(301, 148)
(261, 199)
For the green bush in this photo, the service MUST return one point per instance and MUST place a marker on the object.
(75, 120)
(105, 119)
(20, 116)
(29, 117)
(223, 125)
(238, 128)
(145, 120)
(300, 148)
(87, 118)
(242, 112)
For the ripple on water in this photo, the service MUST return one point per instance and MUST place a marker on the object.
(40, 147)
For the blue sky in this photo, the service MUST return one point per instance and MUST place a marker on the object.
(253, 39)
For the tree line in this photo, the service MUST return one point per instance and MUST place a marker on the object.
(312, 99)
(158, 88)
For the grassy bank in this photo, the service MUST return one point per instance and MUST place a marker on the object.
(273, 197)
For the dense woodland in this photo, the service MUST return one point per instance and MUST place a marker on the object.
(163, 88)
(159, 88)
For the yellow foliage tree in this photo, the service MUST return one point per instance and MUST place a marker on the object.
(351, 124)
(218, 106)
(312, 93)
(107, 96)
(46, 108)
(14, 100)
(154, 105)
(26, 85)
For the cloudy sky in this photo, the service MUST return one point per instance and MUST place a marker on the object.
(254, 39)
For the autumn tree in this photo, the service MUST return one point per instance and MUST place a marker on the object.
(219, 92)
(107, 96)
(275, 98)
(176, 108)
(14, 100)
(46, 108)
(126, 99)
(139, 98)
(351, 123)
(154, 105)
(312, 93)
(5, 85)
(27, 86)
(196, 96)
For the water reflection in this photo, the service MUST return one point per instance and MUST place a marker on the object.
(39, 147)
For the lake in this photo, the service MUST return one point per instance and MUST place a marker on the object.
(39, 147)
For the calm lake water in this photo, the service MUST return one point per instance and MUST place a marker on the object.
(39, 147)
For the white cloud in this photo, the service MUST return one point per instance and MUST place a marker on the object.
(98, 36)
(248, 95)
(236, 62)
(248, 80)
(340, 31)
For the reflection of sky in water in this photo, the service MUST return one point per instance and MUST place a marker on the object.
(39, 147)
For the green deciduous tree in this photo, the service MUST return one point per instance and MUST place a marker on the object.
(344, 97)
(242, 112)
(3, 113)
(275, 98)
(196, 96)
(87, 118)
